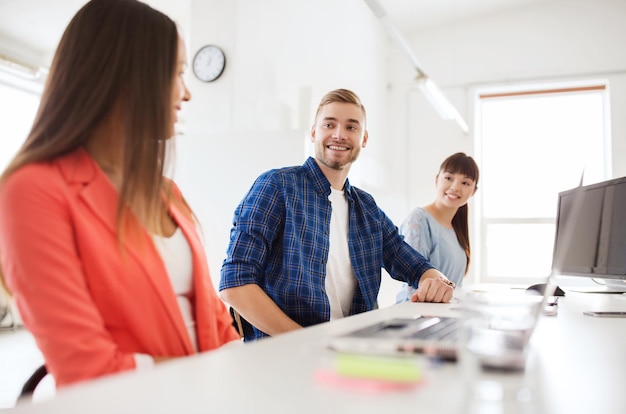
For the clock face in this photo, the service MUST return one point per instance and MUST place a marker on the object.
(208, 63)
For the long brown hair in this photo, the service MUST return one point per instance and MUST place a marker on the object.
(112, 51)
(460, 163)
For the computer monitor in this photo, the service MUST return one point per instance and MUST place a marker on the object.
(590, 237)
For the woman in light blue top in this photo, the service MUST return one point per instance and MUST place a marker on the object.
(439, 230)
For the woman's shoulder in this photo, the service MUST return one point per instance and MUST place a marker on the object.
(30, 175)
(34, 184)
(417, 222)
(419, 215)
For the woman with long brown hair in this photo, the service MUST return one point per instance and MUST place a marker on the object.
(440, 230)
(98, 248)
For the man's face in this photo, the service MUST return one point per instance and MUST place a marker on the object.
(339, 134)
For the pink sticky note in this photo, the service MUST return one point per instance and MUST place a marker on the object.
(328, 377)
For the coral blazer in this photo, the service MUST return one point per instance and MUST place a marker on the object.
(90, 303)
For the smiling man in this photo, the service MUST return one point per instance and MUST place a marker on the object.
(306, 247)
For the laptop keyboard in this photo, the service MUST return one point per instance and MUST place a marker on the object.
(435, 336)
(438, 329)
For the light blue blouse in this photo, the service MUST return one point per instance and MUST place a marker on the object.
(437, 244)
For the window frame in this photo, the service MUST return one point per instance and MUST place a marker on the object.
(480, 223)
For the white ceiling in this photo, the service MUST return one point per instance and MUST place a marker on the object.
(416, 15)
(38, 24)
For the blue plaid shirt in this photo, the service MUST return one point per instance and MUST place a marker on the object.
(280, 241)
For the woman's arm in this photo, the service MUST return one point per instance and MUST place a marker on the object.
(43, 269)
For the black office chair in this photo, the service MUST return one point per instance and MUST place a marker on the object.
(31, 383)
(241, 325)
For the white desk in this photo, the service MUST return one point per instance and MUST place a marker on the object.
(578, 365)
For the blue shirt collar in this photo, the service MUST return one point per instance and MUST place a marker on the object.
(320, 182)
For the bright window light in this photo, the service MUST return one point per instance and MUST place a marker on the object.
(532, 144)
(17, 111)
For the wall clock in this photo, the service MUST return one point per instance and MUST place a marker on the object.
(208, 63)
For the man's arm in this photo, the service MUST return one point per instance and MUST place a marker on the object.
(257, 223)
(255, 306)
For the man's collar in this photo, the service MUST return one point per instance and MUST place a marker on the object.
(321, 183)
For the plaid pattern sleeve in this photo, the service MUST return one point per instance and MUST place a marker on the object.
(375, 243)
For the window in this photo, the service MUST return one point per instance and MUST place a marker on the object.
(533, 143)
(17, 111)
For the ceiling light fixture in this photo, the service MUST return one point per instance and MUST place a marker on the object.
(22, 70)
(442, 105)
(431, 91)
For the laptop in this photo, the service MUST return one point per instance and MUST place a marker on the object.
(440, 336)
(433, 335)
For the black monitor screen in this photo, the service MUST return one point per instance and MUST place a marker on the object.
(590, 237)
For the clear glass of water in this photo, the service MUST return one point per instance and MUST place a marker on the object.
(495, 347)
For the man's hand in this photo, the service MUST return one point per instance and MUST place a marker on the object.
(433, 287)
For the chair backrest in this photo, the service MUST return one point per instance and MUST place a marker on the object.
(31, 383)
(243, 326)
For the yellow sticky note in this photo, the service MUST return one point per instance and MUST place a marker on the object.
(382, 368)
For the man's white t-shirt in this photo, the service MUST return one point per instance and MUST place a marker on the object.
(340, 279)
